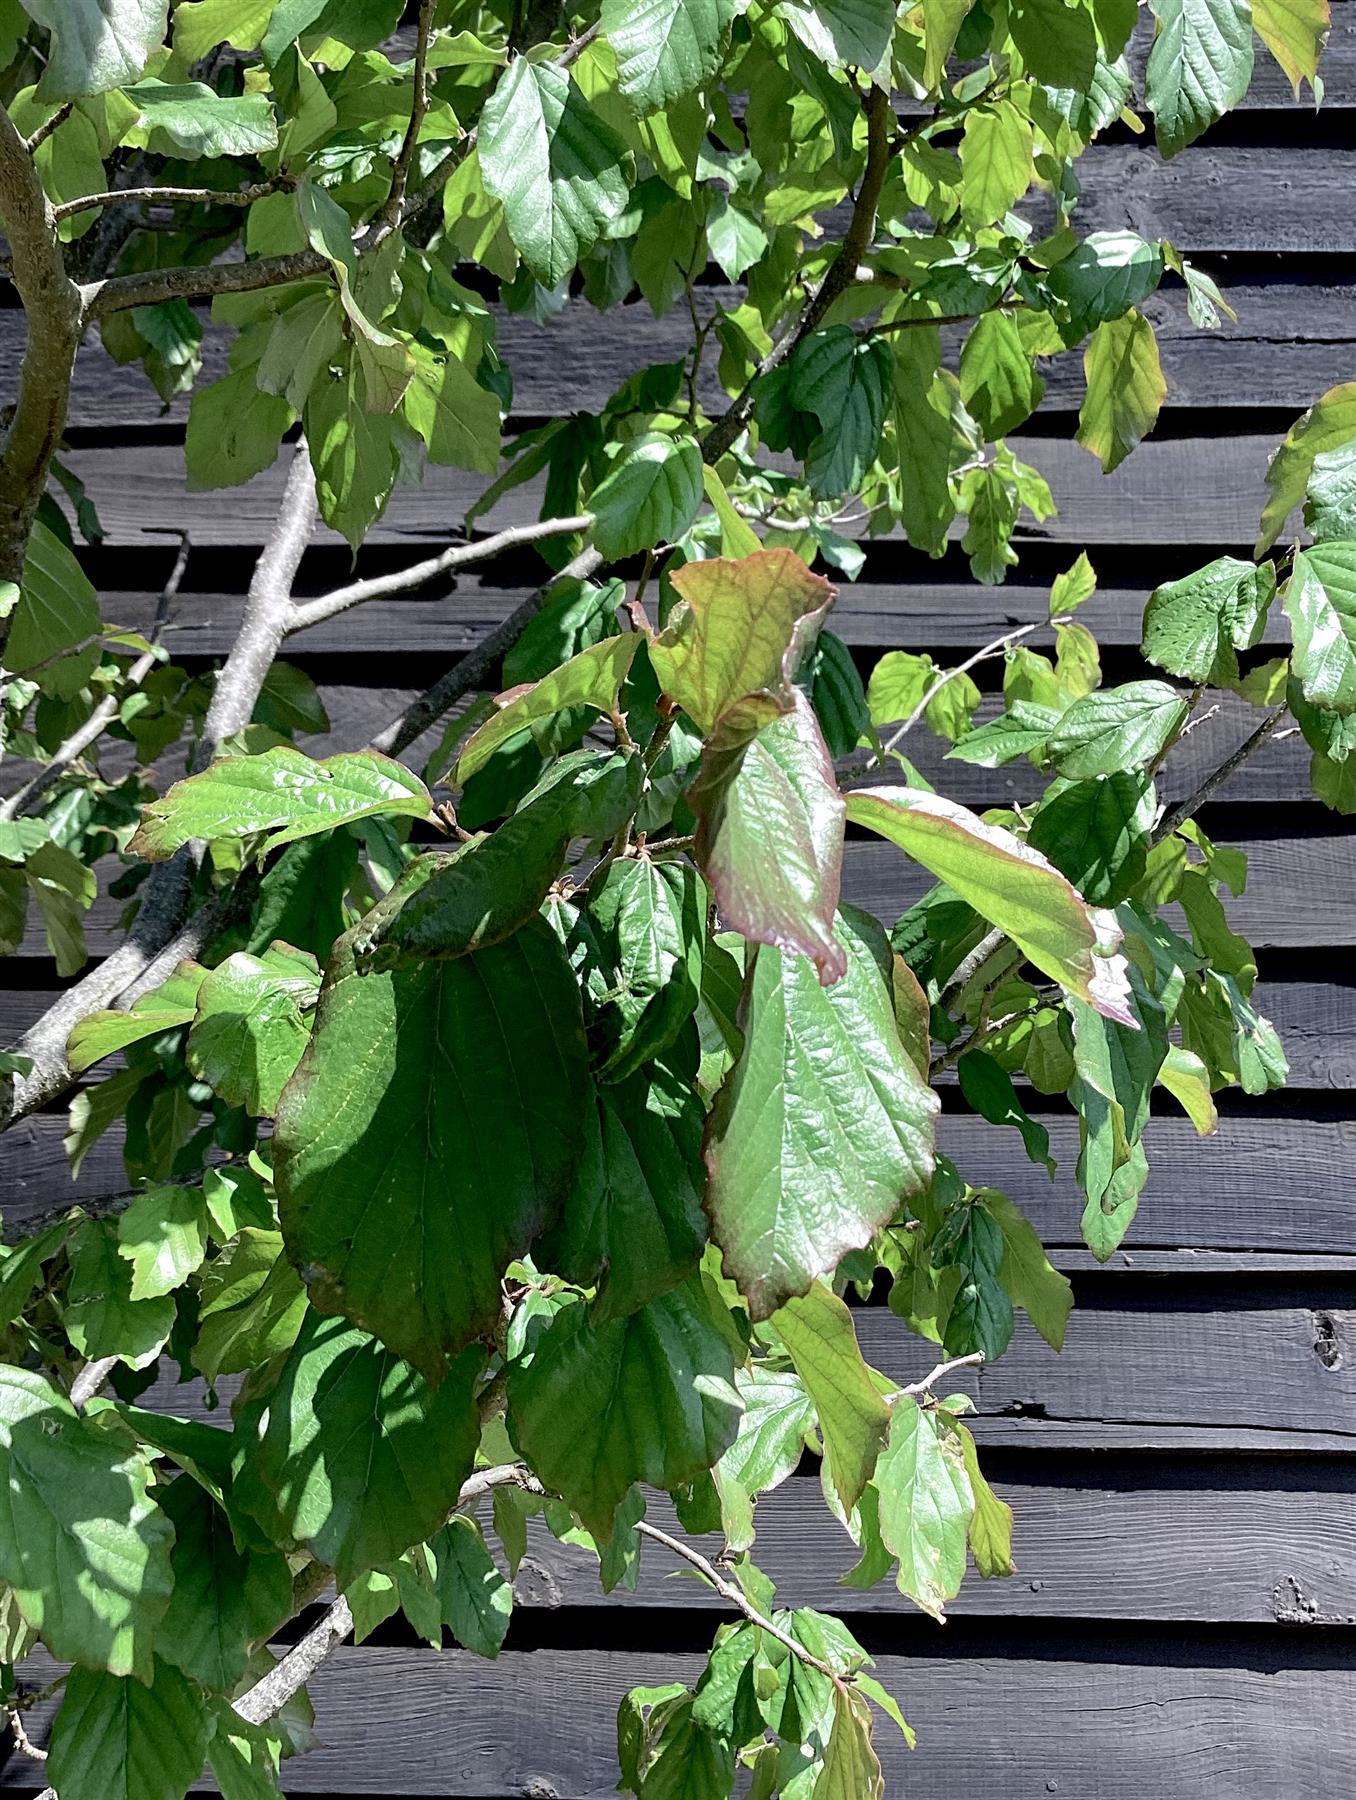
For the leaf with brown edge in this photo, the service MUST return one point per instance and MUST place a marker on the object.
(592, 678)
(770, 836)
(741, 629)
(1006, 881)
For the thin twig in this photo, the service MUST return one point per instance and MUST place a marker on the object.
(933, 1376)
(22, 1742)
(48, 126)
(23, 799)
(992, 649)
(165, 196)
(90, 1379)
(459, 556)
(400, 174)
(740, 1601)
(1193, 701)
(1186, 809)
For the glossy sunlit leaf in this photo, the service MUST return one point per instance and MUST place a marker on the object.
(1193, 627)
(822, 1128)
(278, 796)
(925, 1504)
(650, 921)
(83, 1545)
(665, 48)
(1329, 424)
(649, 496)
(1102, 278)
(592, 678)
(1097, 833)
(191, 119)
(389, 1219)
(253, 1023)
(1117, 728)
(163, 1235)
(1199, 67)
(96, 44)
(1006, 882)
(1320, 601)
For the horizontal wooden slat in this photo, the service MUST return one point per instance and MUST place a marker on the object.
(1262, 1184)
(1117, 1538)
(1137, 1715)
(1206, 491)
(1292, 339)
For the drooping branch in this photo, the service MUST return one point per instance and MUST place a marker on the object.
(52, 310)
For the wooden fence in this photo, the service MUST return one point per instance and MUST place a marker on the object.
(1184, 1474)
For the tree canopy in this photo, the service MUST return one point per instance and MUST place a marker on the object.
(514, 1109)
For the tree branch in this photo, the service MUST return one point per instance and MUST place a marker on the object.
(1186, 809)
(132, 196)
(400, 174)
(839, 276)
(933, 1376)
(116, 293)
(459, 556)
(737, 1598)
(52, 310)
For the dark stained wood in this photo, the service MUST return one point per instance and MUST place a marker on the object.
(1133, 1714)
(1262, 1184)
(1121, 1538)
(1206, 491)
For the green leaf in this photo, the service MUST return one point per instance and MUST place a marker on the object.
(224, 1599)
(925, 440)
(592, 678)
(96, 44)
(200, 25)
(1021, 731)
(82, 1543)
(1199, 67)
(1115, 729)
(1330, 507)
(995, 158)
(1097, 833)
(665, 48)
(998, 380)
(987, 1087)
(1193, 627)
(646, 1398)
(1057, 42)
(21, 1270)
(633, 1224)
(979, 1316)
(1295, 32)
(925, 1504)
(851, 1768)
(244, 1758)
(234, 431)
(391, 1220)
(649, 497)
(100, 1315)
(119, 1739)
(1320, 602)
(280, 796)
(1027, 1274)
(476, 1600)
(650, 917)
(990, 1534)
(458, 419)
(942, 20)
(163, 1235)
(843, 379)
(770, 836)
(191, 119)
(253, 1022)
(57, 607)
(358, 445)
(562, 175)
(777, 1424)
(742, 629)
(1329, 424)
(351, 1453)
(822, 1127)
(841, 33)
(1125, 390)
(821, 1338)
(251, 1305)
(1102, 278)
(1007, 883)
(1187, 1079)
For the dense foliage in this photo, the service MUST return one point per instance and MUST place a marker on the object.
(517, 1129)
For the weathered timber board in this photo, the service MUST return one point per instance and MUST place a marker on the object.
(1134, 1715)
(1206, 491)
